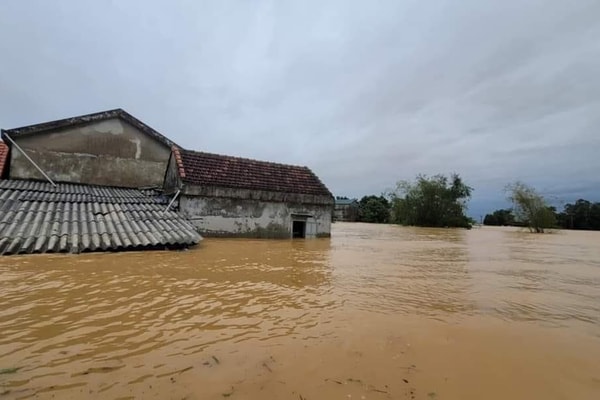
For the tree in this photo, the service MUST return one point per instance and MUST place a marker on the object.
(435, 201)
(530, 207)
(374, 209)
(500, 218)
(581, 215)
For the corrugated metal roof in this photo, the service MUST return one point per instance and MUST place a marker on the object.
(36, 217)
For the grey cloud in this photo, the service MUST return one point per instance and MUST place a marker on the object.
(365, 93)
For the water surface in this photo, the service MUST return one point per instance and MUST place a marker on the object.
(374, 312)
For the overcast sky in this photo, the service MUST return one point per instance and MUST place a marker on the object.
(365, 93)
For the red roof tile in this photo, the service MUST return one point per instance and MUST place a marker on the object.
(3, 158)
(224, 171)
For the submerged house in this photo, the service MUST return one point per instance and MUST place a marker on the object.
(77, 184)
(107, 181)
(232, 196)
(346, 210)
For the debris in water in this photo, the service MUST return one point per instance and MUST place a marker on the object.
(9, 370)
(267, 367)
(379, 390)
(98, 370)
(405, 380)
(216, 360)
(333, 380)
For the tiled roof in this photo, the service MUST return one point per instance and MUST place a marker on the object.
(3, 158)
(36, 217)
(224, 171)
(89, 118)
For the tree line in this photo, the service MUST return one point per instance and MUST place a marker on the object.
(583, 214)
(441, 201)
(436, 201)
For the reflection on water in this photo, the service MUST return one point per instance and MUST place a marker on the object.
(114, 325)
(410, 270)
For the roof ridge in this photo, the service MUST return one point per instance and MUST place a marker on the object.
(67, 184)
(243, 158)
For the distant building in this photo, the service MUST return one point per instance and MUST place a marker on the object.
(346, 209)
(231, 196)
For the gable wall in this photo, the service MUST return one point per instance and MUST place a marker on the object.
(172, 181)
(110, 152)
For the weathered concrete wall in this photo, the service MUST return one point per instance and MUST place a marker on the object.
(218, 216)
(346, 212)
(110, 152)
(261, 195)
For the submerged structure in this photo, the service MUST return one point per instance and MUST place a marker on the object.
(107, 181)
(88, 183)
(232, 196)
(346, 210)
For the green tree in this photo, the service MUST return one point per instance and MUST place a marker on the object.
(581, 215)
(374, 209)
(500, 218)
(436, 201)
(530, 207)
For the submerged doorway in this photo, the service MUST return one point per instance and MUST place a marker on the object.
(298, 229)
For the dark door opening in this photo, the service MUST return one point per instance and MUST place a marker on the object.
(298, 229)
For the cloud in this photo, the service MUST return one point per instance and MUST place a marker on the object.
(365, 93)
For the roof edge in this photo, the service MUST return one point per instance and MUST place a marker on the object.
(178, 161)
(90, 118)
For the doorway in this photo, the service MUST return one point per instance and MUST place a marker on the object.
(298, 229)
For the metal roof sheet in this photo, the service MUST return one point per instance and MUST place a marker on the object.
(36, 217)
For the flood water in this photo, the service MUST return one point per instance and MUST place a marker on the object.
(375, 312)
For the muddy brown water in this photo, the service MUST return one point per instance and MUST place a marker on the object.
(375, 312)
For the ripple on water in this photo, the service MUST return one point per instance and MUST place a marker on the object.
(130, 315)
